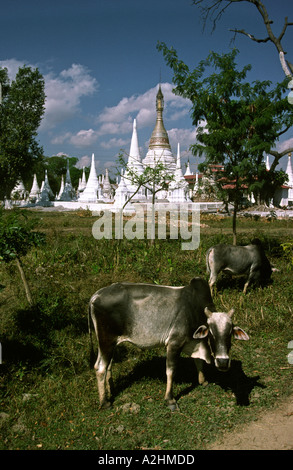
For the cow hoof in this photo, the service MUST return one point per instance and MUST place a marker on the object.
(105, 406)
(173, 406)
(204, 384)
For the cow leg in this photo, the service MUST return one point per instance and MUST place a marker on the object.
(246, 286)
(253, 277)
(171, 362)
(103, 374)
(213, 272)
(201, 377)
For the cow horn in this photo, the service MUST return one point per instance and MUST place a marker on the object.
(208, 312)
(231, 312)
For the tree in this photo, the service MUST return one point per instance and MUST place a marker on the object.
(21, 111)
(17, 237)
(57, 167)
(215, 9)
(237, 122)
(153, 179)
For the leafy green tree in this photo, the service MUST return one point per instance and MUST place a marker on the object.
(237, 123)
(57, 167)
(17, 237)
(153, 179)
(21, 111)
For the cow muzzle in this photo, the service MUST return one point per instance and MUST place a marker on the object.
(223, 363)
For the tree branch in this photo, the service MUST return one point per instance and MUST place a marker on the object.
(278, 155)
(218, 7)
(249, 35)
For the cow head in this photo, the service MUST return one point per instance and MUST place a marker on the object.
(219, 331)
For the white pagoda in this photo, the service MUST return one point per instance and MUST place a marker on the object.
(35, 190)
(90, 192)
(159, 150)
(67, 192)
(178, 187)
(19, 192)
(134, 166)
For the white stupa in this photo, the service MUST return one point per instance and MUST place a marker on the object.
(67, 193)
(188, 171)
(82, 182)
(46, 193)
(19, 192)
(35, 190)
(267, 162)
(90, 192)
(122, 195)
(289, 183)
(106, 192)
(196, 184)
(134, 167)
(159, 150)
(178, 187)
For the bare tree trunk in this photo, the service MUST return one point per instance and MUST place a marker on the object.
(153, 226)
(26, 286)
(234, 224)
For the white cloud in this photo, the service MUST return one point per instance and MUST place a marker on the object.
(116, 127)
(61, 139)
(86, 161)
(185, 137)
(118, 118)
(286, 144)
(64, 93)
(13, 65)
(114, 143)
(84, 138)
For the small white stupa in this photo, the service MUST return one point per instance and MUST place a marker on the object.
(134, 167)
(289, 172)
(267, 162)
(19, 192)
(35, 190)
(188, 170)
(178, 187)
(46, 194)
(89, 194)
(61, 188)
(106, 193)
(82, 182)
(196, 184)
(67, 193)
(122, 195)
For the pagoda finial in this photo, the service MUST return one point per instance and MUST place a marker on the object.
(159, 137)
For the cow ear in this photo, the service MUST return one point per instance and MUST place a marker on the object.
(238, 333)
(201, 332)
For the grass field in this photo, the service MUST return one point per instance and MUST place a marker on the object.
(49, 398)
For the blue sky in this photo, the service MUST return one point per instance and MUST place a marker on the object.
(102, 68)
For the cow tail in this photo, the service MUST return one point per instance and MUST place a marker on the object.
(92, 353)
(207, 260)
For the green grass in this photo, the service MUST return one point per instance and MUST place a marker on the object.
(49, 398)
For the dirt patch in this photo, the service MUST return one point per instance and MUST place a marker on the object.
(273, 430)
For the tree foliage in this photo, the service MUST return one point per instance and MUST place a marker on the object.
(21, 112)
(17, 237)
(57, 167)
(237, 123)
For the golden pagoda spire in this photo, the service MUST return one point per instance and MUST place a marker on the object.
(159, 137)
